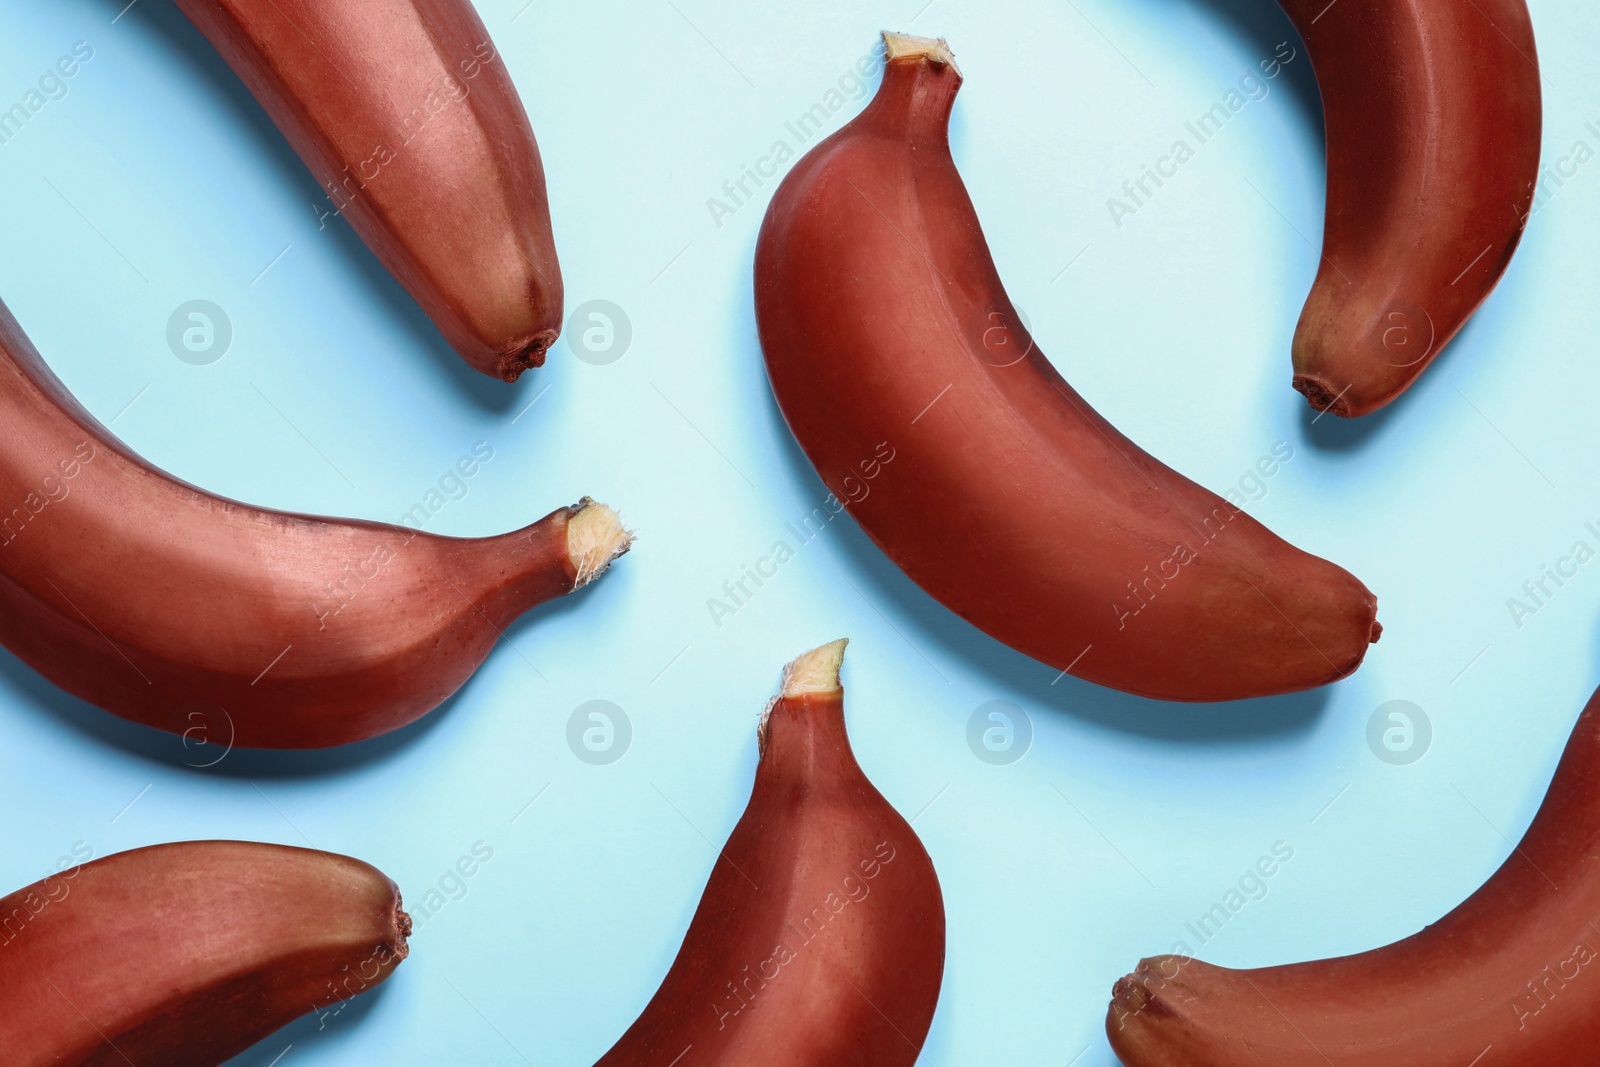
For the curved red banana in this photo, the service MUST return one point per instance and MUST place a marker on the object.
(409, 120)
(231, 624)
(903, 371)
(1434, 120)
(1509, 978)
(820, 936)
(184, 955)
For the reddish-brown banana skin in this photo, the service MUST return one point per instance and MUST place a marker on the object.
(1433, 127)
(761, 979)
(184, 955)
(1513, 970)
(408, 118)
(1007, 497)
(231, 624)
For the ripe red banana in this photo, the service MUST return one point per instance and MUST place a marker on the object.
(184, 955)
(905, 374)
(1510, 978)
(820, 936)
(409, 120)
(1434, 119)
(231, 624)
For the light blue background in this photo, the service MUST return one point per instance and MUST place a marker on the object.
(157, 180)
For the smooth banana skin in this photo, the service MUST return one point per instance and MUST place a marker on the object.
(820, 936)
(407, 116)
(184, 955)
(1433, 126)
(1510, 978)
(908, 379)
(234, 625)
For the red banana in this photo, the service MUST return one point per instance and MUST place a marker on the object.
(409, 120)
(238, 625)
(184, 955)
(1434, 119)
(905, 374)
(1510, 978)
(820, 936)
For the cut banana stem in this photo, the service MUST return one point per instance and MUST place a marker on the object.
(595, 537)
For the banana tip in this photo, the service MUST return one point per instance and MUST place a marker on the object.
(513, 363)
(1137, 998)
(595, 537)
(1323, 397)
(1128, 997)
(402, 926)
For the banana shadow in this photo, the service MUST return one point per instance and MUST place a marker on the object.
(219, 760)
(936, 632)
(1334, 434)
(171, 751)
(309, 1029)
(186, 49)
(1331, 433)
(1262, 26)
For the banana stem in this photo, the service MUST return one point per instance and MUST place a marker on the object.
(904, 45)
